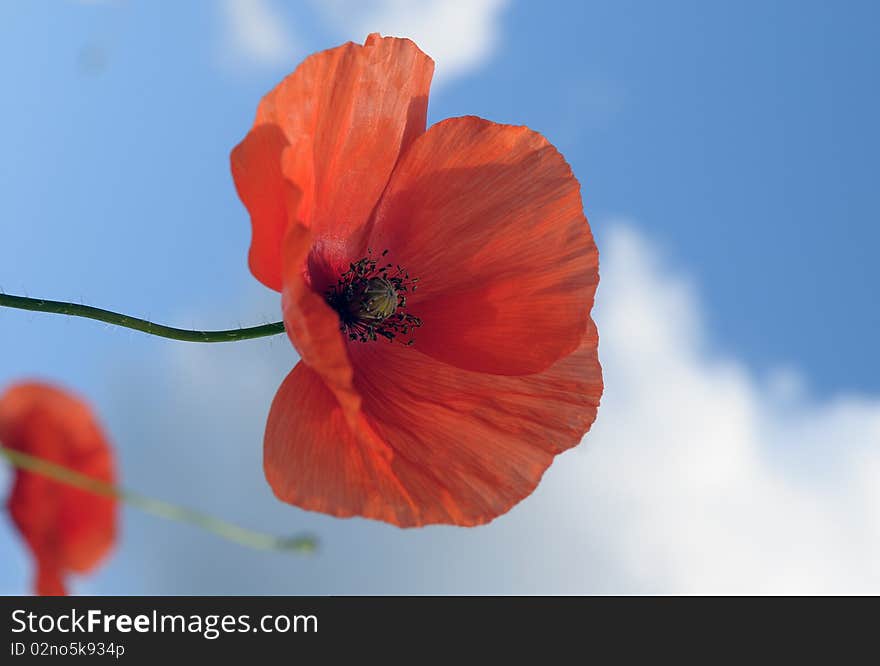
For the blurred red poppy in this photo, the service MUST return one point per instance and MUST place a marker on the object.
(68, 530)
(467, 243)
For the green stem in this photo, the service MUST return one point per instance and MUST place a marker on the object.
(229, 531)
(76, 310)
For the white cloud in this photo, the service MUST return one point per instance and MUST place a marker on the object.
(257, 32)
(713, 480)
(460, 35)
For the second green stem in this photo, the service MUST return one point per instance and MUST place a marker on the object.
(222, 528)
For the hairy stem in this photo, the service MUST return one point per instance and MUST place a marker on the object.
(117, 319)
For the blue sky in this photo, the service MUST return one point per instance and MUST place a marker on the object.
(727, 153)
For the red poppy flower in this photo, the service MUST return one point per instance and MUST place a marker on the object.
(68, 530)
(467, 243)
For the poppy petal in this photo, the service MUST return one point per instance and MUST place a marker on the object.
(489, 218)
(360, 106)
(257, 169)
(315, 459)
(67, 529)
(435, 443)
(312, 325)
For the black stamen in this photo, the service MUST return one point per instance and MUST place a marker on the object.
(372, 302)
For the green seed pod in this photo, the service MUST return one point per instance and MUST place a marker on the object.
(378, 300)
